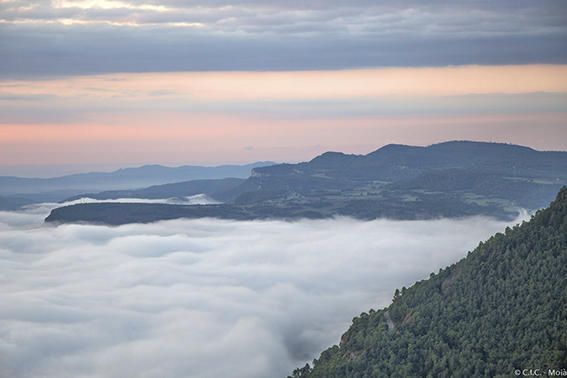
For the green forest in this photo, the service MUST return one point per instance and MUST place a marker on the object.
(502, 308)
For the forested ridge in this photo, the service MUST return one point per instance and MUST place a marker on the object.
(502, 308)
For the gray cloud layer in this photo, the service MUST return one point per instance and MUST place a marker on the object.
(275, 35)
(202, 298)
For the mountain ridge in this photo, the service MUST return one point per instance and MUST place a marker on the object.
(452, 179)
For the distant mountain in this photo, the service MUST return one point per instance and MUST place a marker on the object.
(451, 179)
(393, 166)
(502, 308)
(59, 188)
(212, 188)
(13, 203)
(446, 179)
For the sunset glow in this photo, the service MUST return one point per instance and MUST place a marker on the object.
(217, 82)
(274, 115)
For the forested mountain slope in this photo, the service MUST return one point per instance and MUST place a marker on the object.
(502, 308)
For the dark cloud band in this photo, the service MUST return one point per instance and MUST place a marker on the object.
(43, 40)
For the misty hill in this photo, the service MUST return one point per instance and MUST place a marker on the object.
(60, 188)
(452, 179)
(503, 307)
(13, 203)
(212, 188)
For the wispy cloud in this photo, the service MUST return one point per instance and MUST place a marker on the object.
(177, 116)
(306, 85)
(355, 17)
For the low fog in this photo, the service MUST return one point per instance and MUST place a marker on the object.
(202, 298)
(199, 199)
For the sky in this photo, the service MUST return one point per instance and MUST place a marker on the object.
(202, 298)
(104, 84)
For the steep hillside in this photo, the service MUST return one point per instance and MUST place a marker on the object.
(502, 308)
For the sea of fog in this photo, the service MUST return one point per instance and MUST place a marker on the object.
(202, 298)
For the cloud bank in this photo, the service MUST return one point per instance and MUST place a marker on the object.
(79, 37)
(202, 298)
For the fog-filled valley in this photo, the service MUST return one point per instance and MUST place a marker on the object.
(300, 189)
(203, 297)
